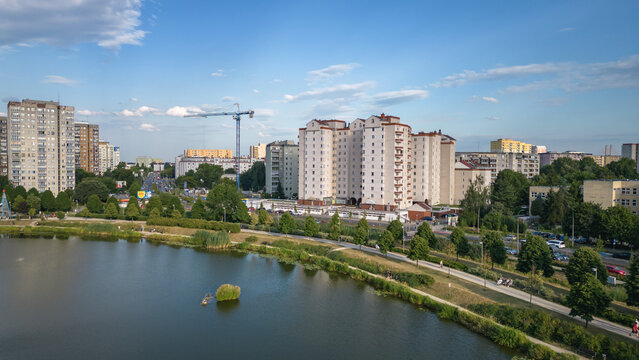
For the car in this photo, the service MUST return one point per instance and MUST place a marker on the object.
(558, 243)
(581, 240)
(510, 251)
(622, 255)
(559, 256)
(616, 270)
(522, 240)
(510, 237)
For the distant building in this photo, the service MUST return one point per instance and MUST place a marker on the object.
(258, 151)
(527, 164)
(87, 152)
(535, 192)
(4, 166)
(538, 149)
(282, 167)
(510, 146)
(143, 160)
(603, 160)
(631, 151)
(109, 156)
(466, 173)
(212, 153)
(41, 146)
(183, 164)
(549, 157)
(608, 193)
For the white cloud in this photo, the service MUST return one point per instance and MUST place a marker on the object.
(497, 74)
(218, 73)
(490, 99)
(134, 99)
(110, 24)
(255, 91)
(228, 99)
(492, 118)
(139, 112)
(148, 127)
(262, 135)
(265, 112)
(57, 79)
(90, 113)
(397, 97)
(342, 90)
(276, 81)
(181, 111)
(331, 72)
(567, 29)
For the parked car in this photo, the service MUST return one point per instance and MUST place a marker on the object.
(558, 243)
(622, 255)
(616, 270)
(510, 237)
(522, 240)
(581, 240)
(559, 256)
(510, 251)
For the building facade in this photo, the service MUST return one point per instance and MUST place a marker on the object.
(87, 152)
(603, 160)
(212, 153)
(538, 149)
(282, 167)
(527, 164)
(467, 173)
(631, 151)
(609, 193)
(510, 146)
(41, 145)
(549, 157)
(109, 156)
(4, 166)
(258, 151)
(535, 192)
(183, 163)
(145, 161)
(377, 163)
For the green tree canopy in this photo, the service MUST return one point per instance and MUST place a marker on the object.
(621, 224)
(225, 200)
(63, 201)
(310, 227)
(335, 230)
(264, 217)
(418, 249)
(536, 254)
(361, 232)
(632, 283)
(537, 206)
(624, 168)
(254, 178)
(111, 211)
(81, 174)
(33, 191)
(198, 210)
(495, 247)
(511, 190)
(462, 247)
(587, 298)
(88, 187)
(397, 229)
(386, 242)
(208, 174)
(287, 224)
(582, 263)
(94, 204)
(33, 202)
(475, 201)
(555, 208)
(132, 210)
(155, 213)
(134, 187)
(20, 204)
(47, 201)
(426, 233)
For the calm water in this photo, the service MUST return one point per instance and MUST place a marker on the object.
(76, 299)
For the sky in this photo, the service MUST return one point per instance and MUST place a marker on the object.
(561, 74)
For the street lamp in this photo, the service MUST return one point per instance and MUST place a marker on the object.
(482, 262)
(595, 270)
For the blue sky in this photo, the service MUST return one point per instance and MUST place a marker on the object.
(563, 75)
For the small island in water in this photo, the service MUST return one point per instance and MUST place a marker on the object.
(227, 292)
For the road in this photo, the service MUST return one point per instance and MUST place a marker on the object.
(518, 294)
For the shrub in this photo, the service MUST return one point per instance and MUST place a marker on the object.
(227, 292)
(59, 214)
(251, 239)
(195, 224)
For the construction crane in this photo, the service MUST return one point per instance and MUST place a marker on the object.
(236, 115)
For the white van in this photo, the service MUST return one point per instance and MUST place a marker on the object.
(558, 243)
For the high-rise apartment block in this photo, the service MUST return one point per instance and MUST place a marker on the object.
(87, 153)
(510, 146)
(631, 151)
(258, 151)
(41, 145)
(527, 164)
(109, 156)
(377, 163)
(4, 167)
(211, 153)
(282, 167)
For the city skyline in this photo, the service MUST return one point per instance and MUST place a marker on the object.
(545, 74)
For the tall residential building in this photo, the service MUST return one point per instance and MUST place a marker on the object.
(631, 151)
(258, 151)
(510, 146)
(466, 173)
(41, 145)
(549, 157)
(282, 167)
(377, 163)
(608, 193)
(4, 167)
(212, 153)
(87, 153)
(109, 156)
(527, 164)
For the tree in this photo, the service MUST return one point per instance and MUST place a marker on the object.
(588, 220)
(132, 210)
(475, 201)
(536, 254)
(397, 229)
(112, 200)
(254, 178)
(279, 192)
(621, 224)
(156, 203)
(19, 190)
(624, 168)
(81, 174)
(632, 283)
(511, 190)
(95, 205)
(176, 214)
(386, 242)
(310, 226)
(88, 187)
(208, 174)
(587, 298)
(20, 205)
(287, 224)
(230, 171)
(555, 208)
(264, 217)
(582, 263)
(197, 210)
(63, 201)
(111, 211)
(47, 200)
(174, 204)
(537, 206)
(462, 247)
(33, 191)
(426, 233)
(418, 249)
(134, 188)
(155, 213)
(59, 214)
(361, 232)
(225, 202)
(495, 247)
(85, 213)
(335, 230)
(33, 202)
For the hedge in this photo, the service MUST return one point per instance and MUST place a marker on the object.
(195, 224)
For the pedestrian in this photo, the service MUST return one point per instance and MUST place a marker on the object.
(634, 329)
(441, 263)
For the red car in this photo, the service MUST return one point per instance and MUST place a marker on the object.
(616, 270)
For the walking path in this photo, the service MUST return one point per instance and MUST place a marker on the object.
(558, 308)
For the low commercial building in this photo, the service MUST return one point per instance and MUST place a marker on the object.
(212, 153)
(535, 192)
(527, 164)
(466, 173)
(549, 157)
(183, 163)
(609, 193)
(282, 167)
(510, 146)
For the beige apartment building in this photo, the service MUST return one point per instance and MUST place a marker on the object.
(510, 146)
(467, 173)
(258, 151)
(41, 145)
(609, 193)
(527, 164)
(87, 153)
(282, 167)
(4, 167)
(211, 153)
(377, 163)
(603, 160)
(109, 156)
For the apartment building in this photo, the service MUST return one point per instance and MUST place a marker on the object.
(109, 156)
(4, 167)
(282, 167)
(609, 193)
(87, 153)
(527, 164)
(535, 192)
(41, 145)
(549, 157)
(631, 151)
(377, 163)
(538, 149)
(466, 173)
(258, 151)
(603, 160)
(183, 163)
(510, 146)
(212, 153)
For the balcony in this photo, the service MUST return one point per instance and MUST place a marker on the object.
(398, 177)
(397, 193)
(399, 133)
(399, 162)
(399, 140)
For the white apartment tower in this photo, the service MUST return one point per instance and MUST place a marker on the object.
(41, 145)
(377, 163)
(109, 156)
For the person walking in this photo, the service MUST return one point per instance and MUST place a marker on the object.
(441, 263)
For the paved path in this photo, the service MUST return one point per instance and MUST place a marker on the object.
(560, 309)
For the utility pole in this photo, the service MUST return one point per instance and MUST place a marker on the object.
(517, 237)
(573, 229)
